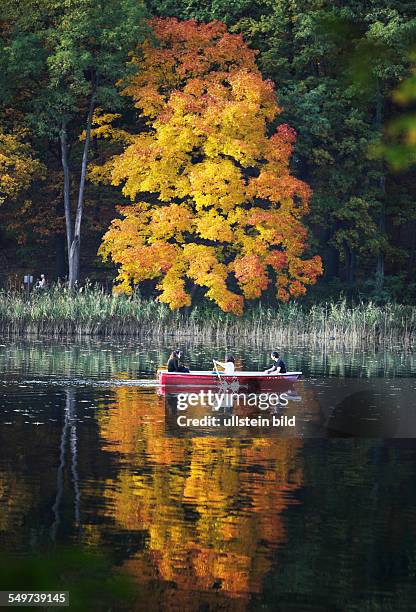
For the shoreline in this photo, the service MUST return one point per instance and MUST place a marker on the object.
(93, 313)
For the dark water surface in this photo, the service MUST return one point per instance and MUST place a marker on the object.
(321, 516)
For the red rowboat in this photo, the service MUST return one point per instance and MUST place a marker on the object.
(250, 382)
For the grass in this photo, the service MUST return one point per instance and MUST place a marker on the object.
(93, 312)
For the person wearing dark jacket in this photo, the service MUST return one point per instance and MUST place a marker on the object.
(175, 364)
(279, 366)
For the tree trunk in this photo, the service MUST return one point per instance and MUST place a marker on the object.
(67, 202)
(74, 249)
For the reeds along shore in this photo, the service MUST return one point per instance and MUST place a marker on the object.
(93, 312)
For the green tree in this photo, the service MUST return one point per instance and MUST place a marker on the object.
(63, 60)
(338, 63)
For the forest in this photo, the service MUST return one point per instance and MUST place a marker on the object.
(238, 151)
(194, 184)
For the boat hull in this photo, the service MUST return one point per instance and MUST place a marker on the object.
(243, 382)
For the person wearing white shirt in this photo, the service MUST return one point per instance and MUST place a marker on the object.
(228, 365)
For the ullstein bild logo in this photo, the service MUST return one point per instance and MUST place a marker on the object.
(236, 421)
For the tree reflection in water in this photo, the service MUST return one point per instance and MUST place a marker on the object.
(69, 429)
(212, 507)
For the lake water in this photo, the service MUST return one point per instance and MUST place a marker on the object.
(319, 516)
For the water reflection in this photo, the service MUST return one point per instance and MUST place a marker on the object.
(367, 408)
(89, 359)
(212, 507)
(69, 430)
(209, 521)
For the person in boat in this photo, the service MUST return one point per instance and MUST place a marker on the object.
(228, 365)
(175, 362)
(279, 366)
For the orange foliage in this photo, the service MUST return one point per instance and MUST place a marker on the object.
(215, 203)
(237, 513)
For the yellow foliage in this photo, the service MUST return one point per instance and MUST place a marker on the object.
(18, 167)
(225, 539)
(222, 211)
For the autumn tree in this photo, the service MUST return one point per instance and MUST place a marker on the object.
(18, 164)
(214, 202)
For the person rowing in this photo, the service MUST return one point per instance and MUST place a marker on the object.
(175, 364)
(279, 366)
(228, 365)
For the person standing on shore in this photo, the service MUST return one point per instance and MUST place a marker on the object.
(41, 283)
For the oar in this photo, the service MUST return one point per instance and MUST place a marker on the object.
(216, 369)
(221, 384)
